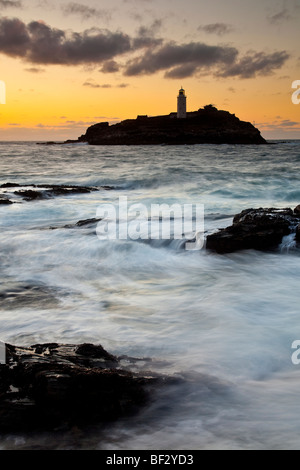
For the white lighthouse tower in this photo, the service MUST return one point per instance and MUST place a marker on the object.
(181, 104)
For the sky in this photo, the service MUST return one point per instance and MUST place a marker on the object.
(69, 64)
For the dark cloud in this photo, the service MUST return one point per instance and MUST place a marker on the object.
(38, 43)
(85, 12)
(256, 63)
(280, 17)
(182, 71)
(10, 4)
(185, 60)
(217, 28)
(14, 37)
(110, 66)
(181, 60)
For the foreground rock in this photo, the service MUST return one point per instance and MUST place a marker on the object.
(258, 229)
(205, 126)
(54, 386)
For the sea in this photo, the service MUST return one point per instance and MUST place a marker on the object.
(222, 326)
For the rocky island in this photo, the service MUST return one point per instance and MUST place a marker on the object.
(205, 126)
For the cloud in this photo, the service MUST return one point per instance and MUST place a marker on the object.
(185, 60)
(146, 36)
(85, 12)
(110, 66)
(14, 37)
(180, 60)
(105, 85)
(10, 4)
(38, 43)
(256, 63)
(280, 124)
(217, 28)
(279, 17)
(289, 123)
(95, 85)
(34, 70)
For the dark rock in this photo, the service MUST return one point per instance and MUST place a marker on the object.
(5, 200)
(83, 223)
(9, 185)
(49, 386)
(96, 351)
(258, 229)
(200, 127)
(46, 191)
(49, 143)
(66, 190)
(29, 194)
(298, 233)
(87, 223)
(297, 210)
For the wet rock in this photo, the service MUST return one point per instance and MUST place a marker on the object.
(48, 143)
(4, 200)
(83, 223)
(297, 210)
(258, 229)
(9, 185)
(29, 194)
(86, 223)
(52, 386)
(51, 191)
(46, 191)
(298, 233)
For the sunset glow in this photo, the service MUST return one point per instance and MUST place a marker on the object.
(67, 65)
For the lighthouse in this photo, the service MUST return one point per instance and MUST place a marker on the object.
(181, 104)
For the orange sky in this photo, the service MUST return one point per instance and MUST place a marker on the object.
(67, 65)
